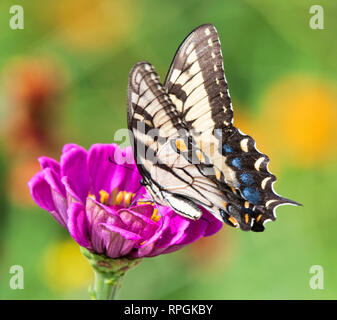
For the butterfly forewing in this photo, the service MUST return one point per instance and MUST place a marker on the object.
(196, 81)
(157, 134)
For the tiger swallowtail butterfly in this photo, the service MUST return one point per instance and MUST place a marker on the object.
(185, 145)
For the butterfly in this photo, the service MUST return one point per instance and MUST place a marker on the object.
(187, 150)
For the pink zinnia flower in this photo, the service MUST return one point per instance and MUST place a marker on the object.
(91, 197)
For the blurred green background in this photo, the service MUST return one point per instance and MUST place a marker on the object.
(64, 79)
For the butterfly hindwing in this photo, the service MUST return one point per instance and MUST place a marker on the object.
(249, 177)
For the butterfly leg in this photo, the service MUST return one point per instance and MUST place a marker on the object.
(150, 199)
(136, 199)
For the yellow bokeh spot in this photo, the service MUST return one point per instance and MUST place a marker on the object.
(301, 112)
(65, 268)
(91, 24)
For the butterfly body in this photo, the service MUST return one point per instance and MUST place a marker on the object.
(186, 148)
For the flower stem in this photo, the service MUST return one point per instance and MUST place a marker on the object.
(106, 286)
(108, 274)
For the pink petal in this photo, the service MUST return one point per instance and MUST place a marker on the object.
(42, 194)
(104, 175)
(120, 241)
(137, 222)
(74, 166)
(78, 224)
(46, 162)
(213, 224)
(54, 181)
(71, 146)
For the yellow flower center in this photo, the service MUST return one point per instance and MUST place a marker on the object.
(115, 198)
(92, 196)
(155, 215)
(104, 197)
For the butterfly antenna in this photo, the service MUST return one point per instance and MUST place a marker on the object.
(137, 197)
(117, 164)
(161, 216)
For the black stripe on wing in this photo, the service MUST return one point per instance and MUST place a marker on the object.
(151, 114)
(152, 117)
(196, 81)
(148, 101)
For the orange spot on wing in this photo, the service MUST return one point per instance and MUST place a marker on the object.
(233, 221)
(181, 146)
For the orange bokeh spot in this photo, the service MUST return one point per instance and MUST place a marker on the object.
(32, 90)
(18, 175)
(92, 24)
(301, 112)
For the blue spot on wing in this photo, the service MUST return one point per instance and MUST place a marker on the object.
(226, 148)
(247, 179)
(236, 163)
(252, 195)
